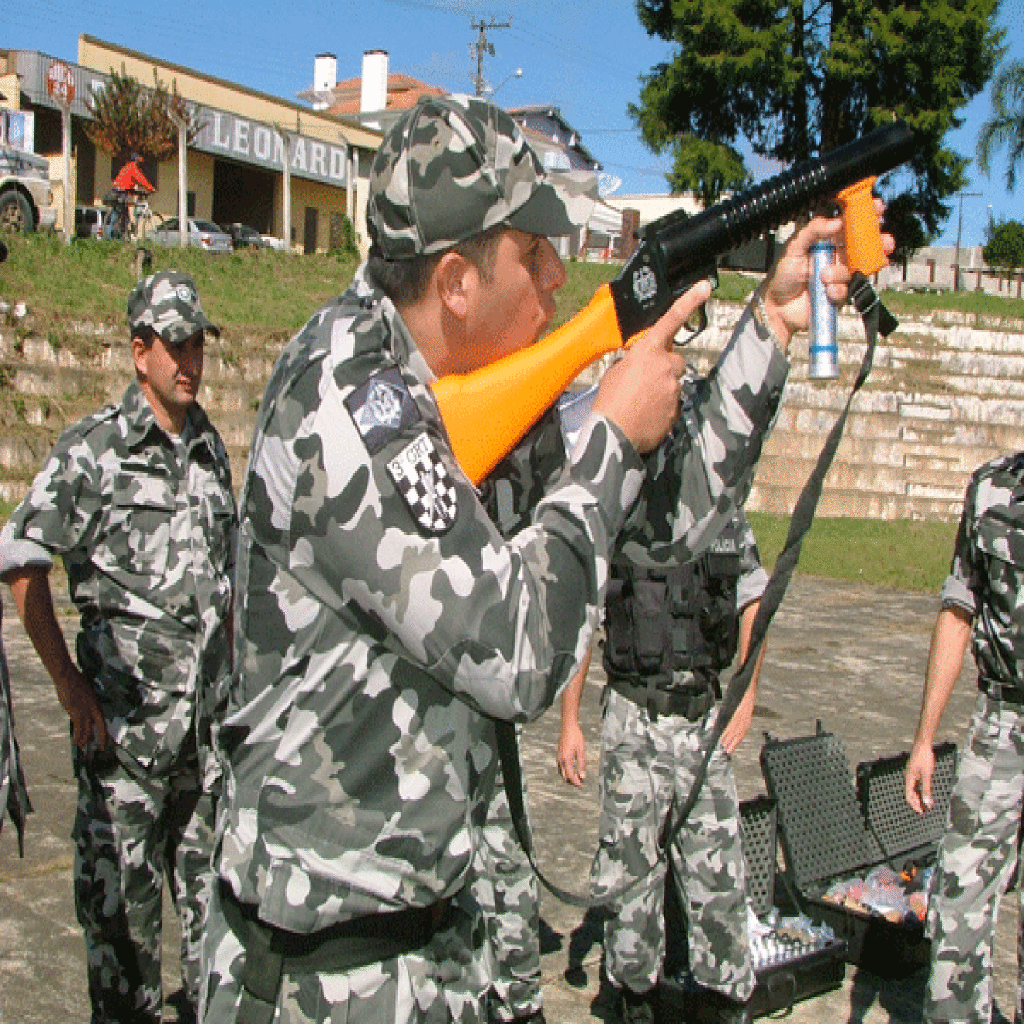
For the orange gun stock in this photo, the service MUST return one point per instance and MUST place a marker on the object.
(486, 412)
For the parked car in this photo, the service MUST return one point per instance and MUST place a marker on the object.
(243, 236)
(26, 198)
(202, 234)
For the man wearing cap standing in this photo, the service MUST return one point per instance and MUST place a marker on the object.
(385, 628)
(136, 498)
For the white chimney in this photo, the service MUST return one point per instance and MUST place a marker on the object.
(325, 78)
(373, 96)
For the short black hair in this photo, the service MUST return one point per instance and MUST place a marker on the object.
(405, 281)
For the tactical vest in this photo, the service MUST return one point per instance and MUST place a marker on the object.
(682, 619)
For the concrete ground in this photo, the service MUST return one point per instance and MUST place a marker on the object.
(850, 656)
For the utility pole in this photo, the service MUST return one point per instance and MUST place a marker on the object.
(959, 229)
(480, 47)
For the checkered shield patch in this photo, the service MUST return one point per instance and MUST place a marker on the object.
(426, 486)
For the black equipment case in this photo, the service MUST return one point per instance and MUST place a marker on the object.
(797, 971)
(832, 832)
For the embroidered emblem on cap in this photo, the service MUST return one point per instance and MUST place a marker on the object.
(381, 408)
(426, 485)
(187, 294)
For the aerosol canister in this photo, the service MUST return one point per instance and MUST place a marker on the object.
(823, 353)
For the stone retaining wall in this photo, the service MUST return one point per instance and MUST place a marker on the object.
(945, 394)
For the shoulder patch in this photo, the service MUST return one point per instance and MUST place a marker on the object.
(381, 408)
(425, 485)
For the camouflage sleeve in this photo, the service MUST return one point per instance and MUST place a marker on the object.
(59, 510)
(962, 584)
(374, 519)
(753, 578)
(706, 468)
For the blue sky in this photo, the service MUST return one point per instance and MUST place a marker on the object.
(585, 58)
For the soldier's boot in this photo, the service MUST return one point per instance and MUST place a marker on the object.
(637, 1007)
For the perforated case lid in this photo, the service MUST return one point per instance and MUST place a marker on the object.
(880, 789)
(820, 825)
(758, 832)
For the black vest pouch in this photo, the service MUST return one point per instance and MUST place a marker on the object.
(650, 624)
(618, 627)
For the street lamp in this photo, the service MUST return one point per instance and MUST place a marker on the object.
(518, 73)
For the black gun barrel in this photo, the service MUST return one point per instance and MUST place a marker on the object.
(696, 241)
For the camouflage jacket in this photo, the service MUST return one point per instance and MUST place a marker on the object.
(13, 791)
(145, 524)
(382, 617)
(986, 577)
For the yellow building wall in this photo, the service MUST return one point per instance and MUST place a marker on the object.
(197, 87)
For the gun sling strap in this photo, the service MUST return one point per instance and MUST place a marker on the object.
(877, 320)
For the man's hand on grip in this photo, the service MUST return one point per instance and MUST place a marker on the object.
(640, 393)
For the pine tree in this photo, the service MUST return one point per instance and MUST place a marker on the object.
(800, 78)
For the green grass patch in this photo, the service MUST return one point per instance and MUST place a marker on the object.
(970, 303)
(903, 554)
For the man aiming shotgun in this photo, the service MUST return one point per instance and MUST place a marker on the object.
(485, 413)
(385, 625)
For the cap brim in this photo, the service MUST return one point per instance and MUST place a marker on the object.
(560, 205)
(181, 331)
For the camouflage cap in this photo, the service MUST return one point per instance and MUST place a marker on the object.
(454, 166)
(168, 301)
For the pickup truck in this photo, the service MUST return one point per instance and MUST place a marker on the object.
(26, 198)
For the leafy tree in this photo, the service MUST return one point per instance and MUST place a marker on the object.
(1006, 125)
(799, 77)
(129, 118)
(707, 169)
(903, 223)
(1005, 247)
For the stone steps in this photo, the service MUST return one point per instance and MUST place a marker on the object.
(945, 394)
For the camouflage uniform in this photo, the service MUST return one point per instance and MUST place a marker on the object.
(145, 524)
(980, 848)
(503, 880)
(13, 792)
(383, 622)
(648, 761)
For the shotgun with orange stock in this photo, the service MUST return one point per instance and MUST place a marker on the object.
(487, 411)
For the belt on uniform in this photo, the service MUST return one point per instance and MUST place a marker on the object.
(998, 691)
(270, 951)
(690, 702)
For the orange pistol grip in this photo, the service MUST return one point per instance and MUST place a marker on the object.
(864, 250)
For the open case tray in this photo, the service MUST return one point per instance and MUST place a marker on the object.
(787, 972)
(832, 832)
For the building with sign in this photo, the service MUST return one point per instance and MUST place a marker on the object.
(283, 168)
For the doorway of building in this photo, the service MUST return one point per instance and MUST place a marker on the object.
(243, 194)
(309, 230)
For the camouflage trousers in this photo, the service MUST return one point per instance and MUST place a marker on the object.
(508, 894)
(131, 829)
(976, 858)
(645, 763)
(444, 982)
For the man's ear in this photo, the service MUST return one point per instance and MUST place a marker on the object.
(453, 281)
(139, 350)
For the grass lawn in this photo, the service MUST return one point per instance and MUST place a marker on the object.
(270, 294)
